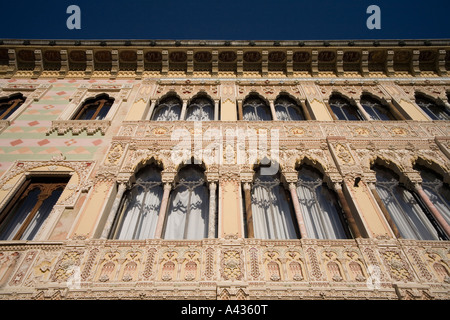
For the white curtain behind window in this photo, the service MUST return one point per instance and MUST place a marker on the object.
(200, 109)
(140, 206)
(405, 211)
(287, 110)
(255, 109)
(272, 214)
(168, 110)
(189, 207)
(319, 206)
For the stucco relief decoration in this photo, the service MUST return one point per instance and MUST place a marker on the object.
(231, 265)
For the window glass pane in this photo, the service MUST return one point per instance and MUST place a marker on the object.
(319, 206)
(10, 105)
(188, 206)
(376, 110)
(434, 111)
(273, 217)
(437, 191)
(200, 110)
(19, 213)
(406, 212)
(287, 110)
(42, 214)
(141, 205)
(344, 110)
(168, 110)
(255, 109)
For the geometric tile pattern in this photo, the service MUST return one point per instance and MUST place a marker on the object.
(25, 138)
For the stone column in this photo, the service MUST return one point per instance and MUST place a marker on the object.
(298, 212)
(348, 213)
(363, 112)
(384, 210)
(212, 210)
(113, 212)
(163, 210)
(216, 110)
(272, 110)
(150, 111)
(240, 110)
(305, 110)
(434, 211)
(397, 114)
(183, 110)
(248, 209)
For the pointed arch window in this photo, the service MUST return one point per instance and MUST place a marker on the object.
(376, 109)
(273, 215)
(8, 105)
(168, 110)
(255, 109)
(344, 110)
(139, 209)
(322, 213)
(200, 109)
(27, 211)
(432, 109)
(404, 206)
(287, 110)
(437, 191)
(188, 213)
(95, 108)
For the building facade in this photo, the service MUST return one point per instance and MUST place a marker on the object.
(224, 169)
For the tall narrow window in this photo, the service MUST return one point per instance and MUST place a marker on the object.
(273, 217)
(404, 207)
(287, 110)
(200, 109)
(375, 109)
(343, 109)
(138, 213)
(432, 109)
(95, 109)
(168, 110)
(255, 109)
(26, 212)
(189, 206)
(10, 104)
(321, 210)
(436, 190)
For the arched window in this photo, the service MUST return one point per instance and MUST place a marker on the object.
(437, 191)
(321, 211)
(376, 110)
(168, 110)
(139, 209)
(95, 108)
(287, 110)
(403, 205)
(200, 109)
(273, 216)
(255, 109)
(188, 212)
(26, 212)
(8, 105)
(432, 109)
(344, 110)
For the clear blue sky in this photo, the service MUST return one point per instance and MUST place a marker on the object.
(225, 19)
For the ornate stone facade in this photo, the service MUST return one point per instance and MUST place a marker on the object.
(71, 257)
